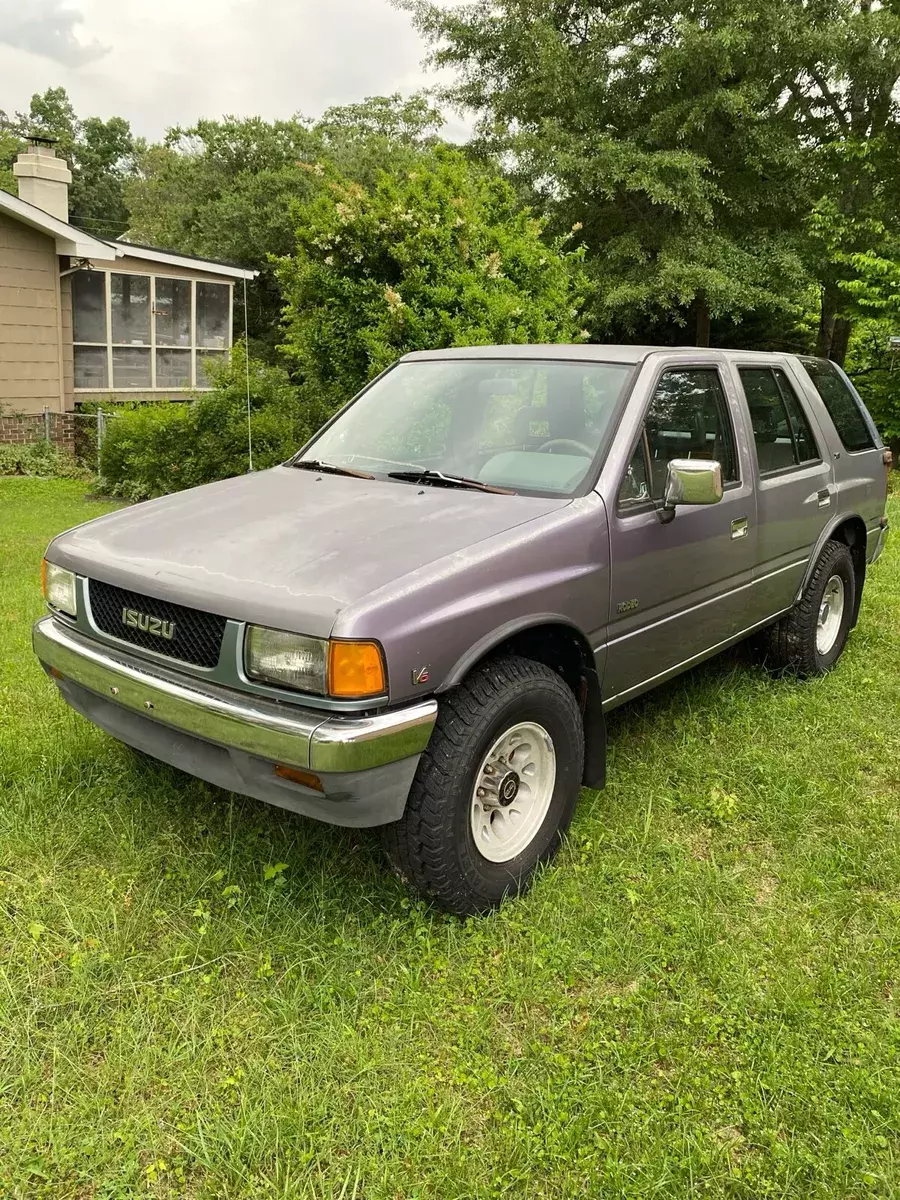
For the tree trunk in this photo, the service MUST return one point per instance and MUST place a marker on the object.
(840, 340)
(702, 310)
(827, 318)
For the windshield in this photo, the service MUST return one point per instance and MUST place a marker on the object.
(524, 425)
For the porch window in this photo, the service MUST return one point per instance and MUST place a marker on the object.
(147, 332)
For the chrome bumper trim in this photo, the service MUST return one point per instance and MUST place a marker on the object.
(283, 733)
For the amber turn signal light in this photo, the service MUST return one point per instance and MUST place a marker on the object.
(355, 669)
(44, 577)
(295, 775)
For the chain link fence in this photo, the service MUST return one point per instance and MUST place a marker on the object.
(80, 434)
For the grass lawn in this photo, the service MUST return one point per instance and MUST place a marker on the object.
(201, 996)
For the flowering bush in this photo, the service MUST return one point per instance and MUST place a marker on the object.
(439, 255)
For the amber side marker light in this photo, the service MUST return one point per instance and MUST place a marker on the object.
(44, 577)
(295, 775)
(355, 669)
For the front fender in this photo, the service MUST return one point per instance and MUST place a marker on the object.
(497, 637)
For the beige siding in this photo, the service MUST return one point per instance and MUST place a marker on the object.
(30, 368)
(68, 354)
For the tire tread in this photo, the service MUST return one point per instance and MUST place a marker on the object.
(420, 845)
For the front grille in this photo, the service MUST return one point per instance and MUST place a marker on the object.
(196, 637)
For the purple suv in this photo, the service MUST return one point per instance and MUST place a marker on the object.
(419, 621)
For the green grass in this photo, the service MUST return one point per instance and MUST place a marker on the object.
(204, 997)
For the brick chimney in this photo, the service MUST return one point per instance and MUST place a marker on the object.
(43, 178)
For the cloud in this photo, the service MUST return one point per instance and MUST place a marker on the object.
(46, 27)
(172, 61)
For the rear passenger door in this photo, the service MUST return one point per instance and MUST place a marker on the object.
(678, 589)
(859, 473)
(796, 493)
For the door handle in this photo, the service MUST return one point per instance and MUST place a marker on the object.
(740, 527)
(824, 498)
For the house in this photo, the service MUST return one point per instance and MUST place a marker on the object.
(83, 317)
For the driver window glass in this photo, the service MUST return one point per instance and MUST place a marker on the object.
(688, 418)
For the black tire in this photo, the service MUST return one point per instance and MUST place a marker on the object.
(432, 847)
(789, 646)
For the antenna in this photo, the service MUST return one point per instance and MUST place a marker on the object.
(247, 368)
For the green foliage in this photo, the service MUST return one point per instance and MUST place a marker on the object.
(875, 369)
(152, 449)
(98, 153)
(39, 458)
(650, 128)
(440, 255)
(437, 252)
(694, 143)
(226, 189)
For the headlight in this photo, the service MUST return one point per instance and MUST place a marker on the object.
(350, 670)
(58, 586)
(287, 659)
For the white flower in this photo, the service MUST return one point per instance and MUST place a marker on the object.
(493, 264)
(394, 299)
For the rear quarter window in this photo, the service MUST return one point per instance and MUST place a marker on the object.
(843, 407)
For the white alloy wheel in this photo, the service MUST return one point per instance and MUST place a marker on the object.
(831, 614)
(513, 789)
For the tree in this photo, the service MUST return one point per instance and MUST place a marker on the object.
(97, 151)
(441, 255)
(846, 102)
(693, 141)
(227, 189)
(644, 123)
(874, 365)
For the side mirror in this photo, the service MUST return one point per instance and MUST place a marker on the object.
(691, 481)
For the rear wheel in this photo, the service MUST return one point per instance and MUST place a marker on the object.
(811, 638)
(495, 789)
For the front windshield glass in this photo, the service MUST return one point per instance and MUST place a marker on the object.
(526, 424)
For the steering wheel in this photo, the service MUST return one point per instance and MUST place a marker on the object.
(569, 443)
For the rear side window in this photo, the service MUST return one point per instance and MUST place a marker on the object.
(843, 407)
(688, 418)
(781, 430)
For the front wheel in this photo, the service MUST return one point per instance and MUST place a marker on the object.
(495, 789)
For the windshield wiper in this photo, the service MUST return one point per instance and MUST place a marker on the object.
(313, 464)
(439, 479)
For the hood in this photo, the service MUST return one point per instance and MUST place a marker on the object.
(286, 548)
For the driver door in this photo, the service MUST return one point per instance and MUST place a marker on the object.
(680, 589)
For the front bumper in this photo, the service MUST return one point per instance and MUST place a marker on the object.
(365, 764)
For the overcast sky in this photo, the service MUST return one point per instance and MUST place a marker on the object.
(167, 62)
